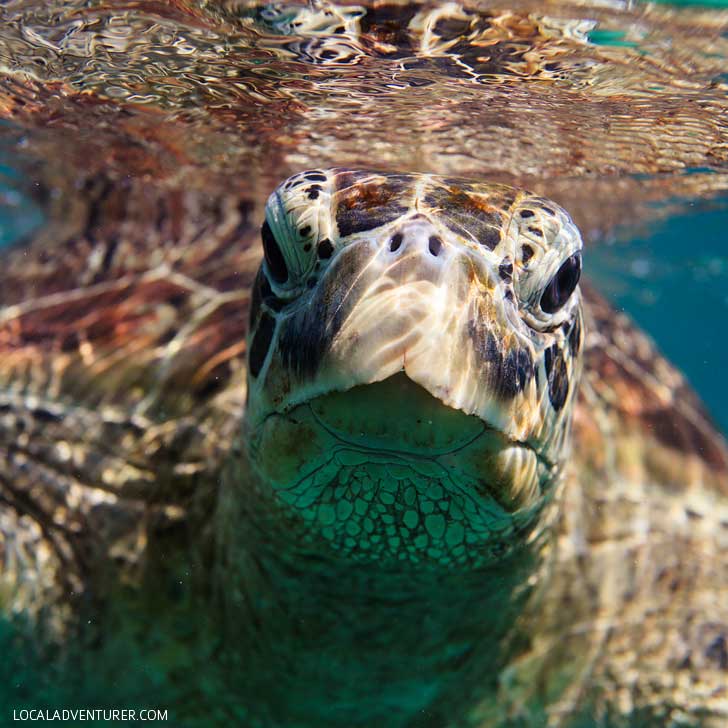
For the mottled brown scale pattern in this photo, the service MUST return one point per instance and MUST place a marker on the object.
(365, 204)
(120, 383)
(471, 215)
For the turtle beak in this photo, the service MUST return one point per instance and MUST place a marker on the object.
(413, 301)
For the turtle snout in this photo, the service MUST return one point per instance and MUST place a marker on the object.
(418, 237)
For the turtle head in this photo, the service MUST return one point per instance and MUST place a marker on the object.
(413, 359)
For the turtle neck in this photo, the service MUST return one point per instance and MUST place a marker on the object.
(330, 642)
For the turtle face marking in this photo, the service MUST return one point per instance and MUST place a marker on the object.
(365, 202)
(557, 375)
(469, 291)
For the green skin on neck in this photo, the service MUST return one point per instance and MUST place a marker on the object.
(383, 573)
(413, 357)
(385, 473)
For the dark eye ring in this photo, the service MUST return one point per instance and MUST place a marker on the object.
(562, 285)
(273, 255)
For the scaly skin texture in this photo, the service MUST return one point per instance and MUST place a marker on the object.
(107, 446)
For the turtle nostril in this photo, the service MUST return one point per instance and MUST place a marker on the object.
(395, 241)
(435, 245)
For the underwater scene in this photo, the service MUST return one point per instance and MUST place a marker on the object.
(364, 365)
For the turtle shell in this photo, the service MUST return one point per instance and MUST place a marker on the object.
(122, 375)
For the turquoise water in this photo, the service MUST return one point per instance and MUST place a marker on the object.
(674, 283)
(20, 215)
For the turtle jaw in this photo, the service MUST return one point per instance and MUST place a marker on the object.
(395, 414)
(386, 473)
(446, 321)
(398, 416)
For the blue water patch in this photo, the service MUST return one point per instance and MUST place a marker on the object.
(610, 38)
(674, 284)
(19, 213)
(694, 3)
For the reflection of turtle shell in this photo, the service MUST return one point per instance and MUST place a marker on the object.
(331, 51)
(123, 387)
(574, 104)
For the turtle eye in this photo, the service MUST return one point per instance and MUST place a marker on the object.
(562, 285)
(273, 256)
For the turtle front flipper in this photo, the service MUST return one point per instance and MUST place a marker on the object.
(635, 617)
(122, 349)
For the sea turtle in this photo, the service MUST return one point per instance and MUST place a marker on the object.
(437, 481)
(405, 526)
